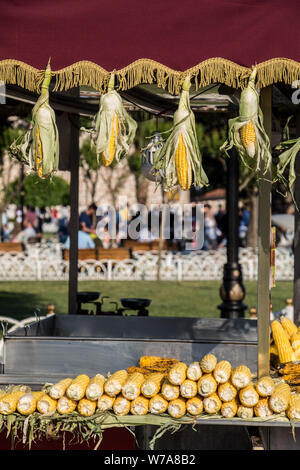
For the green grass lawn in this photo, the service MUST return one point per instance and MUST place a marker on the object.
(169, 298)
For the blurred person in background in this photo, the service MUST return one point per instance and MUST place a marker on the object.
(87, 219)
(85, 241)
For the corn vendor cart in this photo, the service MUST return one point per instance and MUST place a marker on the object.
(172, 47)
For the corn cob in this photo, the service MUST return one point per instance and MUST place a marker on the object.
(207, 385)
(248, 138)
(177, 373)
(241, 376)
(105, 402)
(295, 340)
(141, 370)
(273, 350)
(58, 390)
(188, 388)
(288, 325)
(262, 408)
(227, 392)
(27, 402)
(151, 385)
(77, 388)
(149, 361)
(297, 354)
(8, 402)
(170, 391)
(244, 412)
(248, 396)
(293, 410)
(39, 154)
(183, 168)
(65, 405)
(115, 382)
(222, 372)
(279, 400)
(290, 368)
(212, 404)
(292, 379)
(208, 363)
(94, 389)
(106, 160)
(194, 371)
(194, 406)
(177, 408)
(86, 407)
(139, 406)
(281, 339)
(158, 404)
(265, 386)
(132, 387)
(46, 404)
(121, 406)
(229, 408)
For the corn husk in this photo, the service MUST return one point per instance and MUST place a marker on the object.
(249, 110)
(38, 147)
(112, 113)
(184, 125)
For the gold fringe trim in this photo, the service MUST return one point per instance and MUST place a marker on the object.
(147, 71)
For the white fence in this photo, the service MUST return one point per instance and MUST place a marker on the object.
(46, 263)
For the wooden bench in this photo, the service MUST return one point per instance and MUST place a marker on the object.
(11, 246)
(83, 254)
(135, 245)
(99, 254)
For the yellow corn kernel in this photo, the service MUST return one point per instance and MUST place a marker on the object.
(248, 396)
(158, 404)
(227, 392)
(295, 340)
(177, 408)
(194, 406)
(170, 391)
(95, 388)
(27, 403)
(46, 405)
(229, 408)
(39, 154)
(279, 400)
(297, 354)
(141, 370)
(248, 138)
(206, 385)
(86, 407)
(244, 412)
(281, 339)
(288, 325)
(262, 408)
(152, 384)
(183, 167)
(105, 402)
(188, 389)
(115, 382)
(273, 350)
(139, 406)
(58, 390)
(194, 371)
(121, 406)
(208, 363)
(265, 386)
(132, 387)
(65, 405)
(222, 372)
(241, 376)
(177, 373)
(77, 388)
(293, 410)
(8, 402)
(106, 160)
(212, 404)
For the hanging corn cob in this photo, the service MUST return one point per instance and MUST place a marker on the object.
(114, 129)
(39, 146)
(46, 404)
(139, 406)
(177, 373)
(288, 325)
(27, 403)
(180, 157)
(227, 392)
(241, 376)
(158, 404)
(151, 385)
(105, 402)
(281, 339)
(77, 388)
(262, 408)
(246, 132)
(194, 406)
(57, 390)
(188, 388)
(229, 408)
(115, 382)
(86, 407)
(177, 408)
(194, 371)
(121, 406)
(208, 363)
(65, 405)
(265, 386)
(94, 389)
(248, 395)
(132, 387)
(222, 371)
(279, 400)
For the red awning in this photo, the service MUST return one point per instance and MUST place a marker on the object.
(217, 40)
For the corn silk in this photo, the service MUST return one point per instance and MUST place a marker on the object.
(184, 124)
(38, 147)
(249, 110)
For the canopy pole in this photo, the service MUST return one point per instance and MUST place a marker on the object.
(264, 242)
